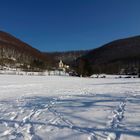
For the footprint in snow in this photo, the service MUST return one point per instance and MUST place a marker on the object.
(111, 136)
(35, 137)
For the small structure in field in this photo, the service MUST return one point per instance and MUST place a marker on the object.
(63, 66)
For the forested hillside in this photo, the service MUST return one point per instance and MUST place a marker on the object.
(120, 56)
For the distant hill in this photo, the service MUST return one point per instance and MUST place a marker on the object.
(118, 56)
(16, 53)
(67, 57)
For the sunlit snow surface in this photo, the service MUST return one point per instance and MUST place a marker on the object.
(69, 108)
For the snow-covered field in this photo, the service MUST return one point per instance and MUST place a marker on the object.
(69, 108)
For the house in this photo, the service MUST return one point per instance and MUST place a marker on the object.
(62, 66)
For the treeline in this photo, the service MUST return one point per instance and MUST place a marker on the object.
(67, 57)
(121, 56)
(17, 54)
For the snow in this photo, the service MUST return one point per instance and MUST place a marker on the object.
(69, 108)
(18, 71)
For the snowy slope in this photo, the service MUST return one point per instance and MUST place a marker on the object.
(69, 108)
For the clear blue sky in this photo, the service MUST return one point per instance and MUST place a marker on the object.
(58, 25)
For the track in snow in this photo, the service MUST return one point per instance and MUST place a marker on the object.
(26, 116)
(94, 111)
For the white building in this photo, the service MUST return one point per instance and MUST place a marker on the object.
(62, 66)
